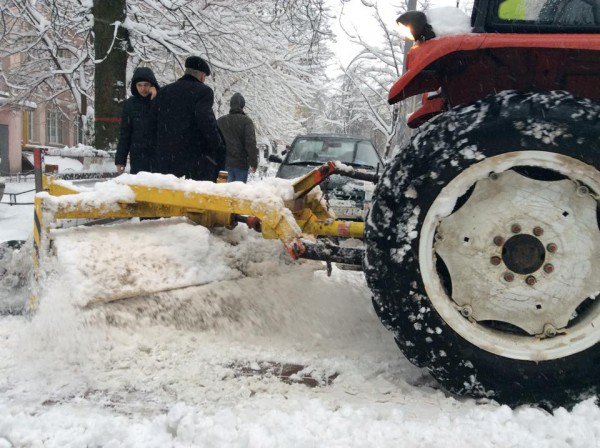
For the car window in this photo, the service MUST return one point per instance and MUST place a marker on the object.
(305, 150)
(321, 150)
(366, 154)
(342, 150)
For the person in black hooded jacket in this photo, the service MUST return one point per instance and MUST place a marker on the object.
(134, 137)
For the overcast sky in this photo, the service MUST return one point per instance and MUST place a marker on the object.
(359, 17)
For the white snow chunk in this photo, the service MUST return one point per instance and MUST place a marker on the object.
(447, 21)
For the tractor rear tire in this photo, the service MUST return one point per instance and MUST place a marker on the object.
(483, 249)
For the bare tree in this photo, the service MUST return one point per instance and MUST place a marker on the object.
(371, 74)
(267, 49)
(45, 50)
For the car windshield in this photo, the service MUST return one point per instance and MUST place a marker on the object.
(319, 150)
(551, 12)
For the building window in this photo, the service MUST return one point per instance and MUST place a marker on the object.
(54, 127)
(31, 127)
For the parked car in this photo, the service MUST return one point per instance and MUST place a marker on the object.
(348, 198)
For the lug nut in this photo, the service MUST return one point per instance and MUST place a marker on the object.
(515, 228)
(549, 331)
(496, 260)
(530, 280)
(538, 231)
(508, 276)
(552, 247)
(549, 268)
(466, 311)
(498, 240)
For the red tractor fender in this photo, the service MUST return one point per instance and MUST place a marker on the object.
(430, 107)
(465, 68)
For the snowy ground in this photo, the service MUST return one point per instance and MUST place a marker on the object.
(263, 353)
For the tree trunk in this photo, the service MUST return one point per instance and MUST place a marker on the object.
(111, 66)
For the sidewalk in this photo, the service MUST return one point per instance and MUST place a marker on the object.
(16, 221)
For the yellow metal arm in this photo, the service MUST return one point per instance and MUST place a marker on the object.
(217, 206)
(210, 209)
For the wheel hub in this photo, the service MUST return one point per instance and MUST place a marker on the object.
(523, 254)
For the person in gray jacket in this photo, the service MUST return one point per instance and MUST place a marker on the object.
(240, 141)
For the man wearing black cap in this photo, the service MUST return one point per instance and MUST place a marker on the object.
(183, 125)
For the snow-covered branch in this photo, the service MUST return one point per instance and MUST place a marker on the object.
(269, 50)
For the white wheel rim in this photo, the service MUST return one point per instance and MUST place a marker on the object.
(476, 281)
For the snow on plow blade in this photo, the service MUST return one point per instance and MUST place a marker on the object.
(134, 259)
(117, 260)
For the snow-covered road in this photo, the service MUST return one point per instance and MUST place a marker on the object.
(265, 353)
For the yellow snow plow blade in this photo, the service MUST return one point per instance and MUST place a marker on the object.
(288, 212)
(207, 209)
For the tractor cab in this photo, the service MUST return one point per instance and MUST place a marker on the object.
(559, 52)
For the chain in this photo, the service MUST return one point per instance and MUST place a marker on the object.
(325, 190)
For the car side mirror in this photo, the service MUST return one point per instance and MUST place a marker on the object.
(275, 158)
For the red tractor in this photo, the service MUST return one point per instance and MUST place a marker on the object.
(483, 241)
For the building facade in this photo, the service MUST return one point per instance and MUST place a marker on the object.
(48, 118)
(29, 126)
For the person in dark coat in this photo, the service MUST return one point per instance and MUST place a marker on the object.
(187, 139)
(240, 140)
(134, 139)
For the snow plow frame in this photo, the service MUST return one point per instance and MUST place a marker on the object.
(303, 215)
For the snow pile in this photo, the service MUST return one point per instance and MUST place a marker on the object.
(107, 195)
(273, 190)
(269, 191)
(77, 151)
(137, 259)
(186, 367)
(64, 163)
(447, 21)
